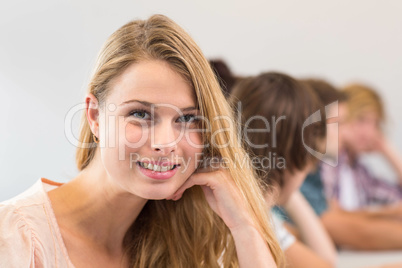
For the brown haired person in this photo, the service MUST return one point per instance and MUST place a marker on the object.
(312, 188)
(359, 229)
(224, 75)
(133, 203)
(273, 109)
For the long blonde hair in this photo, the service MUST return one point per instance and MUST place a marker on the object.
(185, 233)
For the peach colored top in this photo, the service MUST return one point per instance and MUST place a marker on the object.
(29, 234)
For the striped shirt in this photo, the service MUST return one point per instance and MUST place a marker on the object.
(367, 190)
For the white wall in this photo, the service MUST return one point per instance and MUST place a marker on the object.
(47, 50)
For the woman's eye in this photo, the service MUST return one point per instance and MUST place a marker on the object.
(188, 118)
(140, 114)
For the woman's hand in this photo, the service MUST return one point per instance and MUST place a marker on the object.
(227, 201)
(222, 195)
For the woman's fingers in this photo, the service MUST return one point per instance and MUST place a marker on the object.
(203, 178)
(222, 195)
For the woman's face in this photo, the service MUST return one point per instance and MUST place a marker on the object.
(149, 139)
(361, 133)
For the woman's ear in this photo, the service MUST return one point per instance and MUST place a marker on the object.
(92, 112)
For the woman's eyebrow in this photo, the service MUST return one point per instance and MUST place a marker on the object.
(189, 109)
(142, 102)
(149, 104)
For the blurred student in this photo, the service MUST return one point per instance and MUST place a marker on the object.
(350, 182)
(273, 109)
(361, 229)
(333, 110)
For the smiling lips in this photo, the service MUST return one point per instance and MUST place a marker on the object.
(155, 167)
(160, 171)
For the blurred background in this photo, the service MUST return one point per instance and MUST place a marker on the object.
(48, 50)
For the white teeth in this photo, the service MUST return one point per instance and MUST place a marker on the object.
(154, 167)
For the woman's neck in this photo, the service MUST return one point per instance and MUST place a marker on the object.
(94, 208)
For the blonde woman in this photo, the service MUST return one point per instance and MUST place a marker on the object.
(154, 110)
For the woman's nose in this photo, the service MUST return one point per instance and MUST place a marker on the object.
(164, 139)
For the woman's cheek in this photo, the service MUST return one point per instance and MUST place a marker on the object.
(191, 146)
(135, 135)
(193, 140)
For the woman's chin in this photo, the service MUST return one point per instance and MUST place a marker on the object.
(158, 195)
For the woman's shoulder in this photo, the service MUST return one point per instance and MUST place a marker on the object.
(24, 207)
(24, 197)
(27, 230)
(16, 234)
